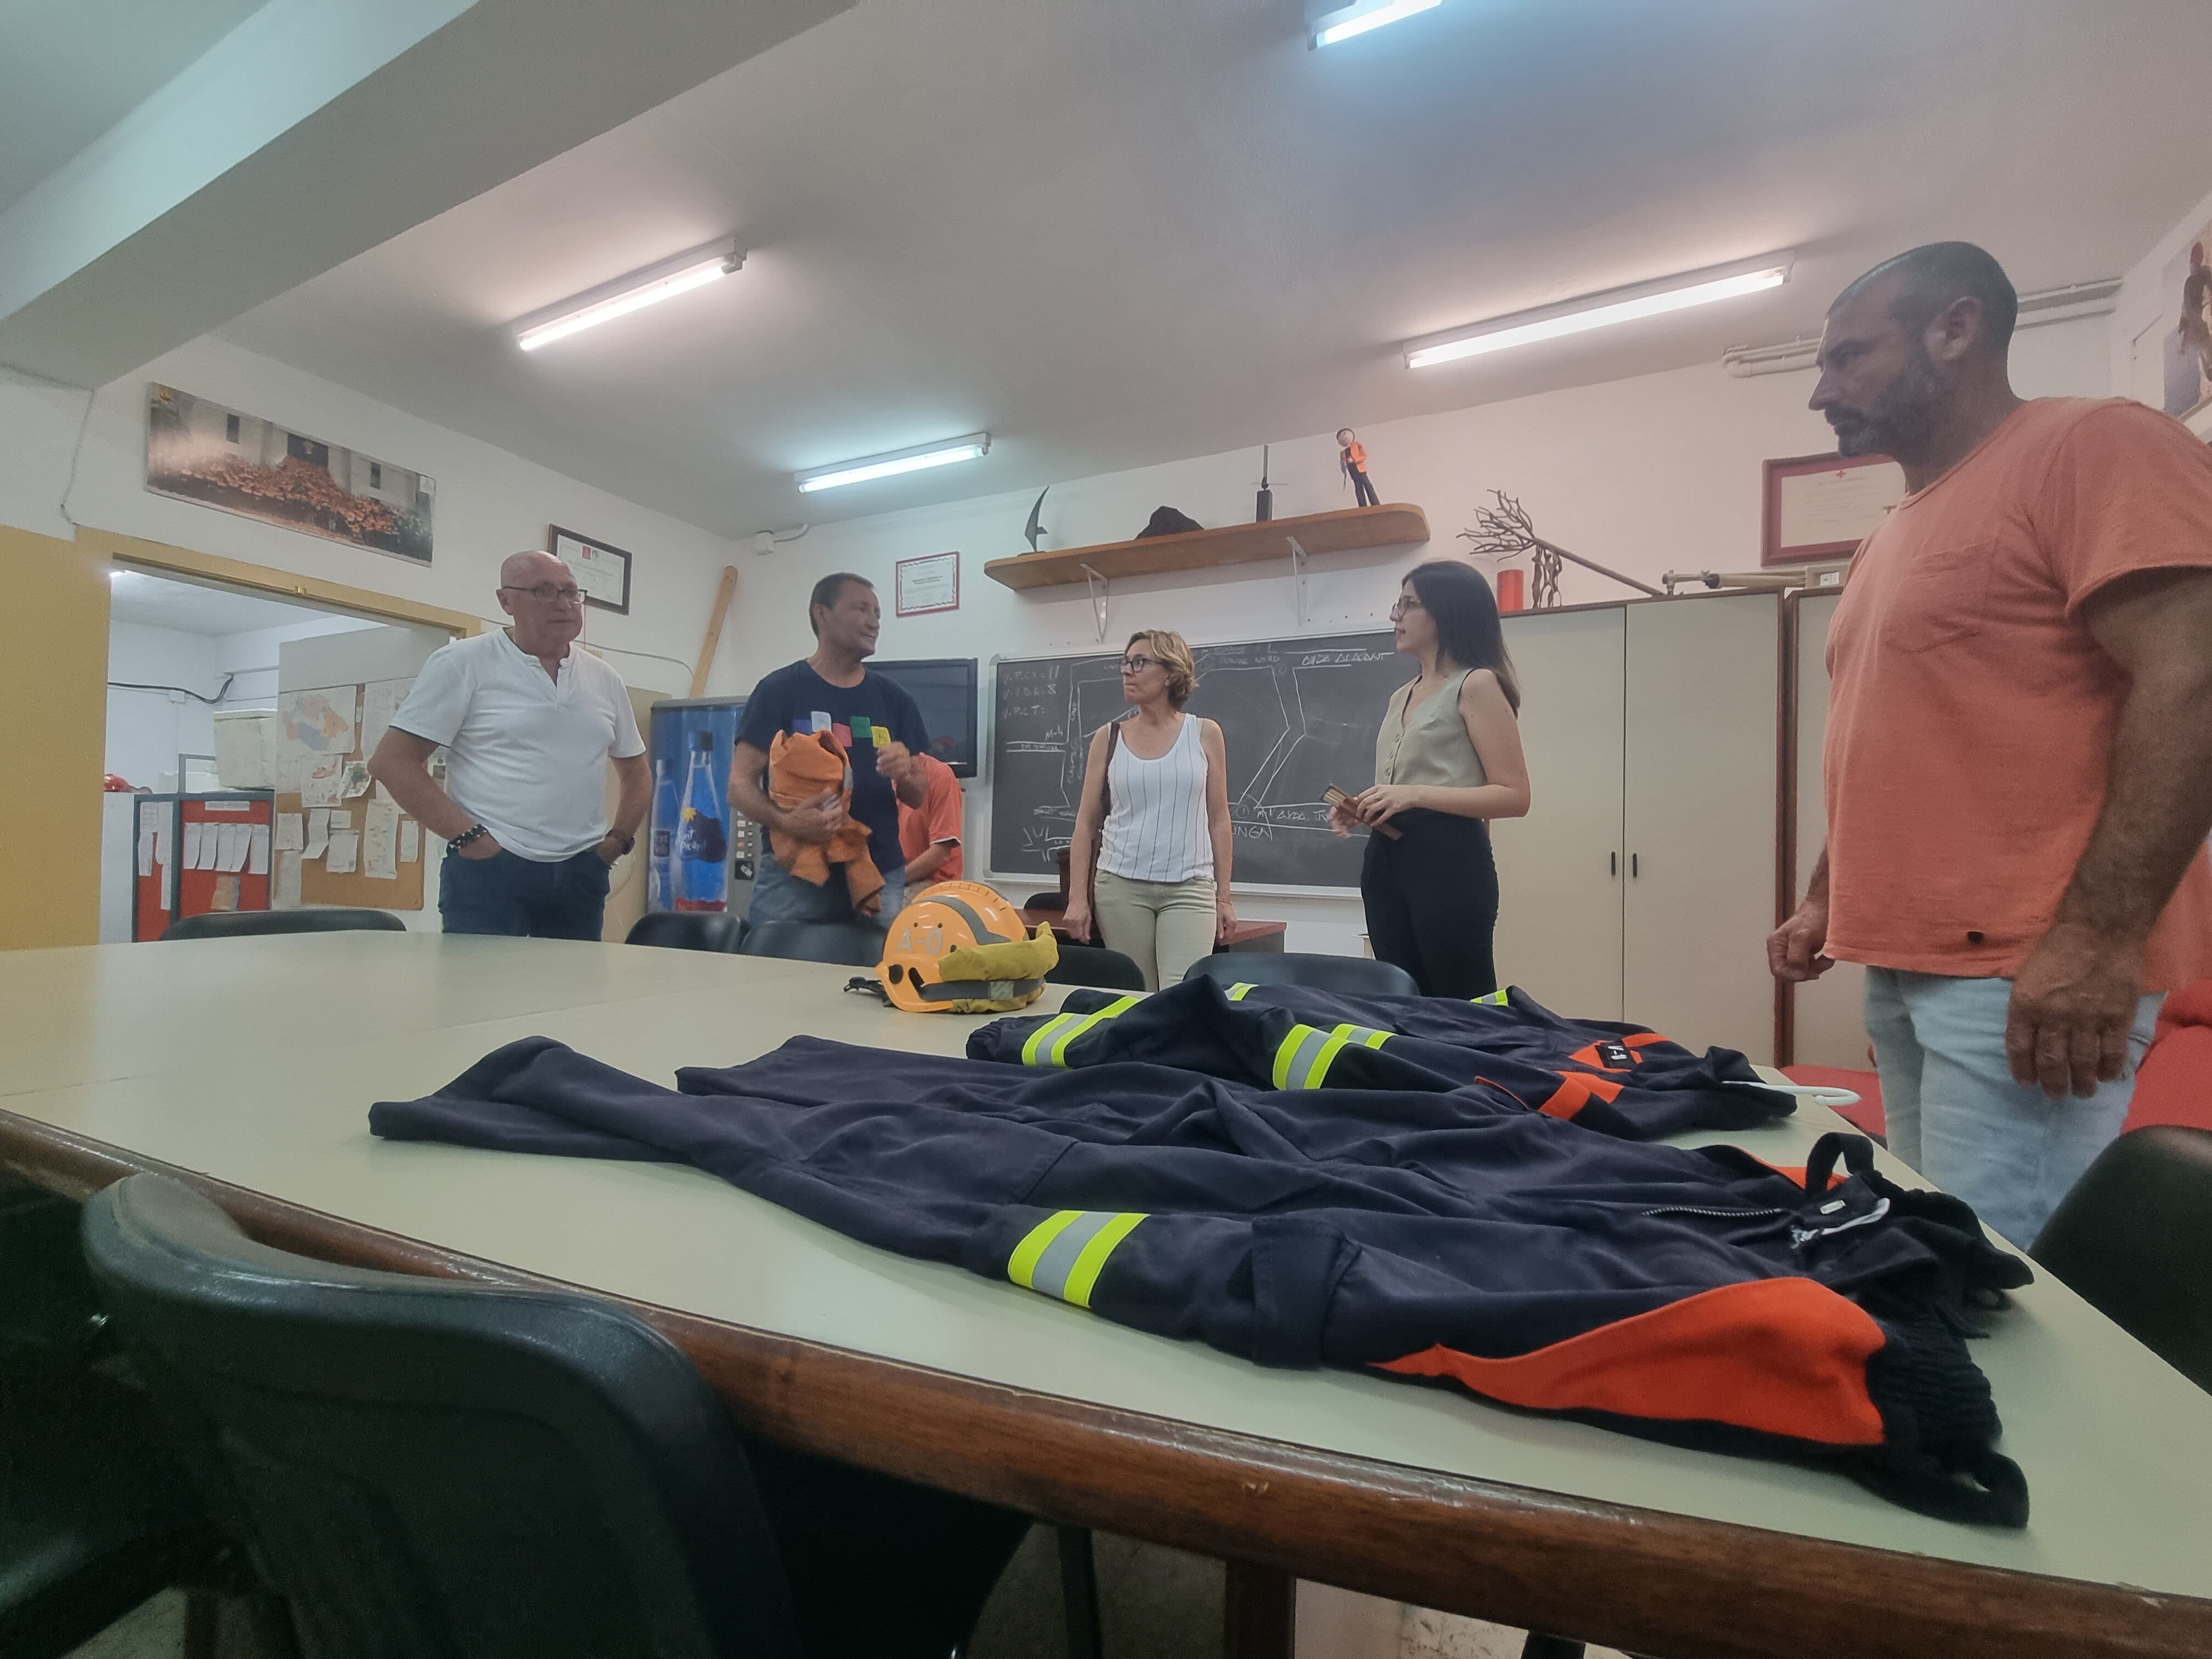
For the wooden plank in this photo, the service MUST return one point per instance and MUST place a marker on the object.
(1641, 1579)
(1392, 525)
(714, 639)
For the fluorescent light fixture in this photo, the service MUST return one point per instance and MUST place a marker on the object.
(890, 466)
(1348, 20)
(1600, 311)
(640, 288)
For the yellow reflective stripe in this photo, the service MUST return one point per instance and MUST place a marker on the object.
(1088, 1266)
(1287, 1051)
(1048, 1044)
(1039, 1035)
(1083, 1023)
(1496, 998)
(1022, 1269)
(1318, 1069)
(1376, 1039)
(1239, 991)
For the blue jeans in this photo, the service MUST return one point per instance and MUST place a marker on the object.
(779, 895)
(522, 898)
(1954, 1113)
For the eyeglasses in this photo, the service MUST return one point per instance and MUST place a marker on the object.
(1399, 609)
(1137, 664)
(546, 592)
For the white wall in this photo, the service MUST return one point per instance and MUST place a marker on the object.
(1650, 474)
(491, 503)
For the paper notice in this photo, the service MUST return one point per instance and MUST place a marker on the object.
(288, 881)
(234, 842)
(164, 845)
(322, 782)
(319, 831)
(380, 702)
(256, 857)
(226, 893)
(291, 832)
(344, 852)
(193, 845)
(356, 781)
(150, 816)
(379, 842)
(146, 839)
(410, 841)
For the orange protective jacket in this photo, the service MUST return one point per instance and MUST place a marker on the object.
(801, 766)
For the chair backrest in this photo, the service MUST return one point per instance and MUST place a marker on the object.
(426, 1467)
(689, 929)
(1094, 964)
(236, 924)
(1352, 976)
(856, 943)
(2133, 1237)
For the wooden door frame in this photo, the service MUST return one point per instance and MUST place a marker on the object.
(213, 568)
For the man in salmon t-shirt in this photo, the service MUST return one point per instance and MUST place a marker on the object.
(2019, 761)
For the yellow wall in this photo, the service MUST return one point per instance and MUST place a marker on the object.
(53, 738)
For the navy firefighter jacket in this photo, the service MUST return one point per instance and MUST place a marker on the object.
(1697, 1296)
(1617, 1079)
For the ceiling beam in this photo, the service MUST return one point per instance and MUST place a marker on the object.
(318, 128)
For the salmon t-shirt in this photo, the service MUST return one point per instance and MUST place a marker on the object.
(937, 819)
(1972, 711)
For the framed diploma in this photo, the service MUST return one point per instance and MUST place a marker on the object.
(927, 584)
(601, 571)
(1822, 507)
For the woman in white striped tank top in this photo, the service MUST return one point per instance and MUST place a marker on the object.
(1159, 779)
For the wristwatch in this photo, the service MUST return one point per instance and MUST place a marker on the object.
(474, 833)
(628, 842)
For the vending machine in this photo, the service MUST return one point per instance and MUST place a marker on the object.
(700, 854)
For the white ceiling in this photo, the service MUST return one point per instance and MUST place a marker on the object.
(69, 70)
(188, 608)
(1113, 234)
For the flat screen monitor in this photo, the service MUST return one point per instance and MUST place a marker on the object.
(944, 688)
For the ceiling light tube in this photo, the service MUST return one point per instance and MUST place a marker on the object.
(640, 288)
(1348, 20)
(1600, 311)
(892, 464)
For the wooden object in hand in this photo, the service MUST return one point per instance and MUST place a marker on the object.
(1343, 798)
(1394, 523)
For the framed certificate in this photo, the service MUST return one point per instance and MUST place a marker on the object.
(1822, 507)
(927, 584)
(603, 572)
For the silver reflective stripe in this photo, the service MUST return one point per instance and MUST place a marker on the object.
(1295, 1054)
(1239, 991)
(968, 914)
(1064, 1256)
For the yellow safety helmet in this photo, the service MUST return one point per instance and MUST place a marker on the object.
(959, 948)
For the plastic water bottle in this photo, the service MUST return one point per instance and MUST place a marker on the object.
(703, 844)
(660, 864)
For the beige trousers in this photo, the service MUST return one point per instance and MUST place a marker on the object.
(1162, 925)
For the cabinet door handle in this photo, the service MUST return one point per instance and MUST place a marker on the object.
(1613, 864)
(1632, 870)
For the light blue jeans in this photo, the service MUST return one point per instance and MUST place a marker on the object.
(779, 895)
(1954, 1113)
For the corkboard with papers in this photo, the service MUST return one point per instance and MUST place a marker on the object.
(347, 840)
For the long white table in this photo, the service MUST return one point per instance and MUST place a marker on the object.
(251, 1064)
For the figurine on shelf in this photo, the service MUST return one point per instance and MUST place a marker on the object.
(1351, 455)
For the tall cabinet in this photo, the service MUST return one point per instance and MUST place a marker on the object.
(1641, 884)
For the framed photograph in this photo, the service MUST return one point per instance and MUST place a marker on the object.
(2185, 356)
(601, 571)
(198, 451)
(1822, 507)
(927, 584)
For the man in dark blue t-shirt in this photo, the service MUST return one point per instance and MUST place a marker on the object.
(880, 729)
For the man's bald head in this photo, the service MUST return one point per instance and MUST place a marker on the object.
(1920, 284)
(527, 569)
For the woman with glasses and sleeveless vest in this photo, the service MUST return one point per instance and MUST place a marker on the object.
(1155, 814)
(1447, 760)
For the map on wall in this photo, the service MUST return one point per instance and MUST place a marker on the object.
(322, 721)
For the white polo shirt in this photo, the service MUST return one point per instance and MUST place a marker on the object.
(526, 751)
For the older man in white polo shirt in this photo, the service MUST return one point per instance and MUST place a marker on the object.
(530, 724)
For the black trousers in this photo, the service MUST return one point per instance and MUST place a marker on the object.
(1431, 899)
(1362, 492)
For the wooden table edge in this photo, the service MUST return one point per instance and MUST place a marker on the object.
(1641, 1579)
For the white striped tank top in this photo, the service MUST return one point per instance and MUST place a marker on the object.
(1155, 830)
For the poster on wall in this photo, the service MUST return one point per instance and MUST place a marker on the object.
(601, 571)
(2186, 360)
(927, 584)
(199, 451)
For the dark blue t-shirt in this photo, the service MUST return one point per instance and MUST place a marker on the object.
(796, 699)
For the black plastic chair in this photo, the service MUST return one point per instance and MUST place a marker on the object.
(689, 929)
(1352, 976)
(435, 1467)
(855, 944)
(239, 924)
(2134, 1239)
(1096, 965)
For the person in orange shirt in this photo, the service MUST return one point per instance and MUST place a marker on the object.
(929, 835)
(1351, 455)
(2019, 759)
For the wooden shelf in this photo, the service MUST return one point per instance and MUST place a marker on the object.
(1391, 525)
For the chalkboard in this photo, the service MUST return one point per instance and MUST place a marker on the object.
(1296, 716)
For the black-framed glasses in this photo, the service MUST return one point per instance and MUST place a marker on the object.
(546, 592)
(1399, 609)
(1139, 664)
